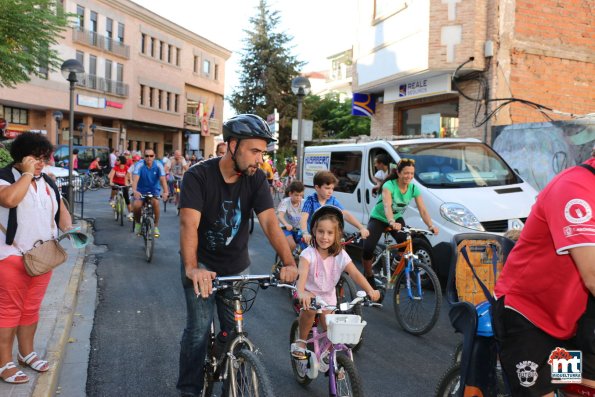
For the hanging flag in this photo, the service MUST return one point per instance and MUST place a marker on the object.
(363, 105)
(205, 122)
(212, 112)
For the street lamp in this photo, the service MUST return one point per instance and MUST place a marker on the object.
(58, 116)
(70, 68)
(300, 86)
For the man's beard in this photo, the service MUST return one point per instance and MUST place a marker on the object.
(245, 171)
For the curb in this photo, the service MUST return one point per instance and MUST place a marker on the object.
(46, 383)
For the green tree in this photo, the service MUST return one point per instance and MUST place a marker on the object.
(267, 68)
(333, 119)
(28, 29)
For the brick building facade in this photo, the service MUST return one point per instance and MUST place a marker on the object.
(406, 53)
(144, 80)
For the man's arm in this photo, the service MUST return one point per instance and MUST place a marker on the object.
(201, 278)
(270, 226)
(134, 185)
(584, 258)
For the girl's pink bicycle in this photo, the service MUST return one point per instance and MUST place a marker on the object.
(330, 351)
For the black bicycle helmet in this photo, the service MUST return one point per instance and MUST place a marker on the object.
(247, 126)
(324, 210)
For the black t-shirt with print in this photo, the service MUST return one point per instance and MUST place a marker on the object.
(225, 210)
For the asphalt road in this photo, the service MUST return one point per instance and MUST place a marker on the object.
(140, 316)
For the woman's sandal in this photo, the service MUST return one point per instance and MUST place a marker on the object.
(33, 361)
(297, 352)
(13, 379)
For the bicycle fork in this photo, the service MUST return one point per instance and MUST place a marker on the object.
(409, 270)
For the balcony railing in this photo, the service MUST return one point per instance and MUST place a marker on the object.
(97, 83)
(96, 40)
(194, 120)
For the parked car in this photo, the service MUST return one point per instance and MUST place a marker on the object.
(466, 186)
(60, 175)
(86, 155)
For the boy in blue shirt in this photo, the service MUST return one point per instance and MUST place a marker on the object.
(324, 184)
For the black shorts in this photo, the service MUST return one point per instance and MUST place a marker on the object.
(525, 351)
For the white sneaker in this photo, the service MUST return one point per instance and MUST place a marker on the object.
(131, 217)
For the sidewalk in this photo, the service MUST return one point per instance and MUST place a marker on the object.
(55, 321)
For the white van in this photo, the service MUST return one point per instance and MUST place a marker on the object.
(465, 185)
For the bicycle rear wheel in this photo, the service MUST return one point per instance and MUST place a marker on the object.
(248, 377)
(93, 183)
(149, 238)
(347, 380)
(417, 314)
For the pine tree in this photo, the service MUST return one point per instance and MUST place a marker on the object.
(267, 70)
(28, 29)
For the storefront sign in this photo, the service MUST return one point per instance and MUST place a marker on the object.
(113, 104)
(418, 88)
(90, 101)
(2, 124)
(314, 162)
(13, 131)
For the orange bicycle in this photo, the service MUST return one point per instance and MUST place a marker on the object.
(418, 294)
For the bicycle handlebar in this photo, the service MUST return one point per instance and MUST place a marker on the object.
(362, 299)
(264, 281)
(351, 238)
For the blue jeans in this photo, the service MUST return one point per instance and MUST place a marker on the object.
(193, 347)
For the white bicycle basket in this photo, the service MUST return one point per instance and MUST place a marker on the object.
(344, 328)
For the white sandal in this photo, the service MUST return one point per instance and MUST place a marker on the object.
(33, 361)
(13, 378)
(299, 353)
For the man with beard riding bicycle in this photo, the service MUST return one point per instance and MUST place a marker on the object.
(215, 205)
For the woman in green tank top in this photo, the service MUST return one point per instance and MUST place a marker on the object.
(397, 192)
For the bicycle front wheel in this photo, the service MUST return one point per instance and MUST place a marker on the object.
(248, 376)
(116, 211)
(450, 384)
(121, 205)
(346, 292)
(149, 238)
(417, 313)
(300, 369)
(347, 381)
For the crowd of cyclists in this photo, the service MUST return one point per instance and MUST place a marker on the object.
(542, 295)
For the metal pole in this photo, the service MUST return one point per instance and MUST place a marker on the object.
(57, 132)
(300, 151)
(72, 80)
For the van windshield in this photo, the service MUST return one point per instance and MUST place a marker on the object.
(457, 165)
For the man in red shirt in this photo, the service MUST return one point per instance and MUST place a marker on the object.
(290, 170)
(546, 282)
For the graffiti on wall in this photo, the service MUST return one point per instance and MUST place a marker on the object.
(539, 151)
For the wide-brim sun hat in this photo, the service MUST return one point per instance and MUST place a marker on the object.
(324, 210)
